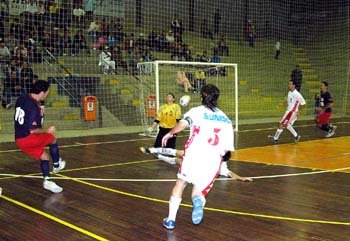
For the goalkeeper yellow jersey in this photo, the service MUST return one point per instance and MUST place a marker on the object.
(168, 114)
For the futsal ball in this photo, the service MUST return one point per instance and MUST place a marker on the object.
(185, 100)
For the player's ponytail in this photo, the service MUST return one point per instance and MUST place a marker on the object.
(210, 95)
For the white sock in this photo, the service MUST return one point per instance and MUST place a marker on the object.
(162, 150)
(291, 130)
(278, 133)
(167, 159)
(169, 151)
(174, 204)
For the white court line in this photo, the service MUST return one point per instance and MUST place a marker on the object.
(77, 144)
(173, 180)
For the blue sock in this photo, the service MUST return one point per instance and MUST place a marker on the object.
(55, 154)
(45, 168)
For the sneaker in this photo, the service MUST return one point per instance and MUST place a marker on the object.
(51, 186)
(297, 138)
(197, 212)
(330, 133)
(168, 224)
(145, 150)
(272, 138)
(61, 166)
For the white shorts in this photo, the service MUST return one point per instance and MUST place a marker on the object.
(200, 169)
(289, 118)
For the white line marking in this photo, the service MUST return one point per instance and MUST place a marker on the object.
(173, 180)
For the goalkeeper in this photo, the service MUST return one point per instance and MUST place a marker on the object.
(167, 117)
(173, 156)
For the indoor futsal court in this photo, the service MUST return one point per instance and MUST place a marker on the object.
(112, 191)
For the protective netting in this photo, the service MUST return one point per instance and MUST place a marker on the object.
(92, 48)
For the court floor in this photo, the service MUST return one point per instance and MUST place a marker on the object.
(112, 191)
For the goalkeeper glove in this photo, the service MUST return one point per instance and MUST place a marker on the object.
(149, 131)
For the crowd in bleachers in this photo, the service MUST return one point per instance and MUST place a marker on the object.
(66, 32)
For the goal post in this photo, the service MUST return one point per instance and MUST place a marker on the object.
(158, 78)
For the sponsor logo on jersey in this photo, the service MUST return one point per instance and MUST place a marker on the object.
(216, 117)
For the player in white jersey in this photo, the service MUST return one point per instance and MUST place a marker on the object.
(294, 102)
(211, 138)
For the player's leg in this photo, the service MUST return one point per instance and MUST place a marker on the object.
(277, 134)
(45, 169)
(323, 123)
(58, 163)
(291, 129)
(165, 154)
(34, 146)
(198, 200)
(174, 203)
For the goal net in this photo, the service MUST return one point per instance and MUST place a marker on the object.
(159, 78)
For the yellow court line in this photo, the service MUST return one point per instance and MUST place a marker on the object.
(49, 216)
(208, 208)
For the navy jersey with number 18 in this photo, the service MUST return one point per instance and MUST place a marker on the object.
(28, 116)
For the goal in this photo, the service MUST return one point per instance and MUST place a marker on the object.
(159, 78)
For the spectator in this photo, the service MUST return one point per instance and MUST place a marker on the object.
(177, 28)
(222, 48)
(204, 57)
(27, 76)
(31, 7)
(204, 30)
(182, 80)
(297, 77)
(217, 21)
(93, 30)
(79, 43)
(251, 33)
(13, 87)
(277, 49)
(5, 54)
(65, 44)
(89, 10)
(106, 62)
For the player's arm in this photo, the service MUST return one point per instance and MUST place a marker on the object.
(50, 129)
(181, 125)
(235, 176)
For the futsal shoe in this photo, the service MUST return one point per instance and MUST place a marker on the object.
(145, 150)
(272, 138)
(168, 224)
(61, 166)
(297, 138)
(51, 186)
(331, 132)
(197, 212)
